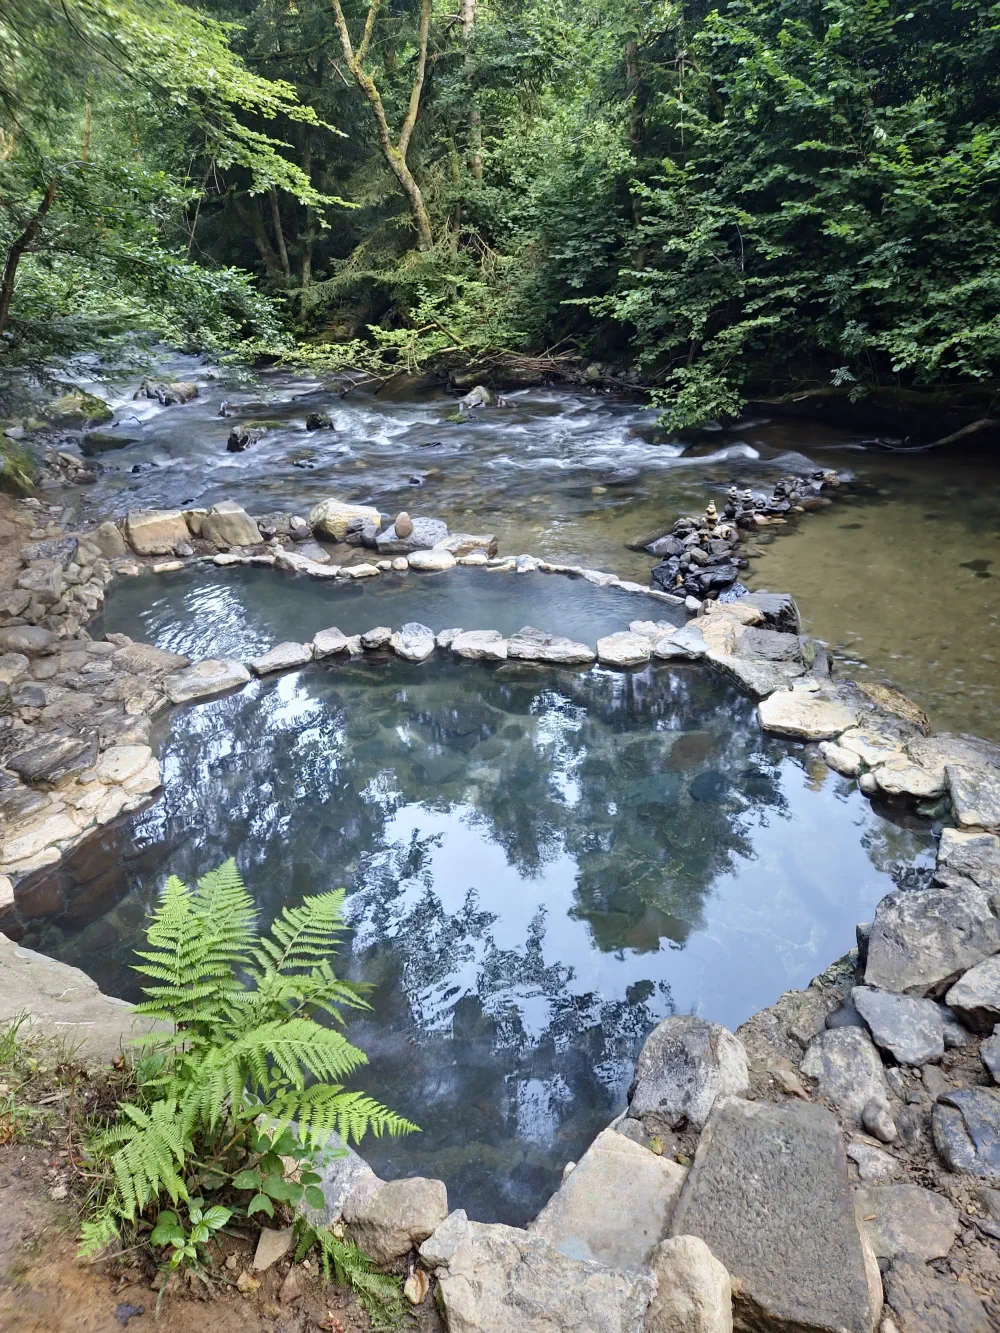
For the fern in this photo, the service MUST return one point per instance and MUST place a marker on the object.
(344, 1263)
(242, 1061)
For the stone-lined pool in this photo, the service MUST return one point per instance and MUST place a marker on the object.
(539, 866)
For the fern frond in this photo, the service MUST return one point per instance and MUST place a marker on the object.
(323, 1109)
(98, 1233)
(144, 1150)
(380, 1294)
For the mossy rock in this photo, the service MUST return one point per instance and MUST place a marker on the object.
(77, 409)
(18, 469)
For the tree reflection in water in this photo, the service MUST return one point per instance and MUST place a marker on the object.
(540, 864)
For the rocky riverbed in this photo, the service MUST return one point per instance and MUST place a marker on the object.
(829, 1166)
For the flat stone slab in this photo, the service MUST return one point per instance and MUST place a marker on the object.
(215, 675)
(975, 795)
(966, 1127)
(282, 657)
(485, 645)
(911, 1030)
(874, 1164)
(614, 1206)
(963, 856)
(907, 1219)
(761, 679)
(64, 1003)
(924, 939)
(54, 762)
(623, 650)
(769, 1195)
(534, 645)
(499, 1279)
(920, 1301)
(802, 715)
(684, 644)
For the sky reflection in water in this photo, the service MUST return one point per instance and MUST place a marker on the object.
(540, 865)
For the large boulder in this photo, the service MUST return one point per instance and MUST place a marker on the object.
(907, 1219)
(924, 939)
(28, 640)
(413, 642)
(966, 1127)
(694, 1293)
(975, 794)
(684, 1066)
(389, 1221)
(205, 679)
(155, 531)
(615, 1205)
(769, 1195)
(105, 441)
(847, 1070)
(968, 856)
(624, 649)
(110, 541)
(54, 762)
(975, 997)
(909, 1029)
(484, 645)
(229, 524)
(534, 645)
(499, 1279)
(330, 518)
(77, 409)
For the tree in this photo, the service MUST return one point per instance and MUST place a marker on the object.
(394, 150)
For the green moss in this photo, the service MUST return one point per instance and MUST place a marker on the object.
(18, 469)
(77, 409)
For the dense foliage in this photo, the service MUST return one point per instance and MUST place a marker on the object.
(745, 199)
(238, 1075)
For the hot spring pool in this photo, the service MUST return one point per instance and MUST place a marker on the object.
(539, 865)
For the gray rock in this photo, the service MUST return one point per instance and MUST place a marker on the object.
(684, 644)
(693, 1291)
(329, 642)
(155, 531)
(907, 1220)
(330, 518)
(431, 562)
(975, 997)
(228, 524)
(477, 397)
(966, 1127)
(768, 645)
(29, 640)
(54, 762)
(761, 679)
(534, 645)
(499, 1279)
(964, 856)
(282, 657)
(380, 637)
(778, 609)
(684, 1066)
(975, 794)
(424, 534)
(623, 649)
(769, 1195)
(389, 1222)
(924, 939)
(205, 679)
(923, 1302)
(874, 1164)
(413, 642)
(614, 1206)
(909, 1029)
(468, 543)
(480, 646)
(875, 1118)
(344, 1174)
(847, 1070)
(97, 442)
(319, 421)
(110, 541)
(310, 550)
(272, 1245)
(989, 1053)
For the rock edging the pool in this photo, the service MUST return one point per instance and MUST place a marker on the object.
(725, 1186)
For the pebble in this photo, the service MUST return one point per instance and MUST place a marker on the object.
(878, 1122)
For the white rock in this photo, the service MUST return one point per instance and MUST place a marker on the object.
(328, 642)
(413, 642)
(6, 891)
(215, 675)
(147, 780)
(534, 645)
(694, 1293)
(365, 571)
(400, 564)
(331, 517)
(486, 645)
(24, 841)
(167, 566)
(477, 558)
(801, 715)
(122, 762)
(842, 761)
(272, 1245)
(373, 639)
(431, 562)
(282, 657)
(229, 524)
(623, 650)
(111, 806)
(155, 531)
(688, 643)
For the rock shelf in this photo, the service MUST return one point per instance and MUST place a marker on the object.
(827, 1167)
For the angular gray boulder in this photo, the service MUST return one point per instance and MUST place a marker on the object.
(499, 1279)
(684, 1066)
(693, 1291)
(920, 1301)
(924, 939)
(968, 856)
(975, 996)
(909, 1029)
(387, 1222)
(768, 1193)
(966, 1127)
(847, 1070)
(907, 1219)
(534, 645)
(614, 1206)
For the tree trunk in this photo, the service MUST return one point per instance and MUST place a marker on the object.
(18, 248)
(252, 220)
(467, 18)
(279, 233)
(394, 153)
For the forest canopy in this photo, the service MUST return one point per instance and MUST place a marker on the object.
(735, 201)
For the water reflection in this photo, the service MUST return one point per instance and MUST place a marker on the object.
(540, 865)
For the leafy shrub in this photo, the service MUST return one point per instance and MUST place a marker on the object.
(240, 1085)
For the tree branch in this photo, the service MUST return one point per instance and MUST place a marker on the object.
(18, 248)
(418, 81)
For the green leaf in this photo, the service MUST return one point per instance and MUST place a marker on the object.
(278, 1188)
(247, 1180)
(315, 1197)
(217, 1217)
(260, 1203)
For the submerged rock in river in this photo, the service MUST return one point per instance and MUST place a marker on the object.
(213, 676)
